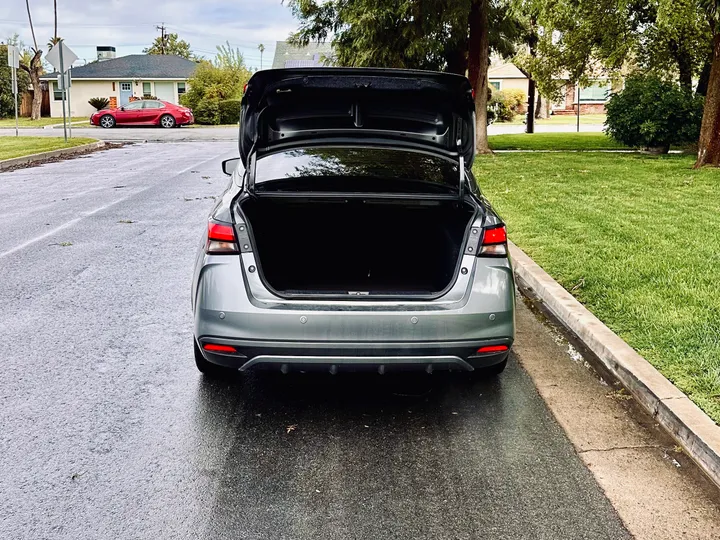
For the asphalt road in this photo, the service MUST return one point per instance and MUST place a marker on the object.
(154, 134)
(109, 432)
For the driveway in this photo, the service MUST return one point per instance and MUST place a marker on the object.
(108, 431)
(231, 133)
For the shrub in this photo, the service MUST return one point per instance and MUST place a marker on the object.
(7, 99)
(501, 107)
(229, 111)
(99, 103)
(652, 113)
(516, 99)
(213, 82)
(207, 112)
(149, 97)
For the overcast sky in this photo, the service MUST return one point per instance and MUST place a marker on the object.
(130, 26)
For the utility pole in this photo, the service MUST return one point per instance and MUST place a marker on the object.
(162, 37)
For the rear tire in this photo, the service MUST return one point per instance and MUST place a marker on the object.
(107, 121)
(208, 369)
(167, 121)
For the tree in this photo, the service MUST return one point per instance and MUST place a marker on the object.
(229, 58)
(709, 144)
(170, 44)
(34, 69)
(7, 102)
(261, 48)
(675, 41)
(439, 35)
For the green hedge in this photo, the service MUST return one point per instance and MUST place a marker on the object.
(229, 111)
(207, 112)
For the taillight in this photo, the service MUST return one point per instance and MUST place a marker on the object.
(492, 348)
(213, 347)
(494, 242)
(221, 238)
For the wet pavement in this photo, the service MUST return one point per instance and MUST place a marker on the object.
(108, 430)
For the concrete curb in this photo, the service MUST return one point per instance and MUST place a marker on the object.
(60, 152)
(693, 430)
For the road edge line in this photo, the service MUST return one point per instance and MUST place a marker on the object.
(692, 429)
(30, 158)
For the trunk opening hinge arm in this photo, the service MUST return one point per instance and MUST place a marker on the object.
(252, 160)
(461, 171)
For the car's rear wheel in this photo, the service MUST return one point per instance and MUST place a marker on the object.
(167, 121)
(209, 369)
(107, 121)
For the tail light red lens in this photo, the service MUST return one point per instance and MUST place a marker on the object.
(494, 242)
(213, 347)
(221, 239)
(492, 348)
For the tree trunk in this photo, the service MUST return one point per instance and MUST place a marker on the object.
(704, 77)
(530, 127)
(709, 145)
(34, 70)
(478, 63)
(685, 69)
(540, 108)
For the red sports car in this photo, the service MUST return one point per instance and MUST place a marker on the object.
(145, 112)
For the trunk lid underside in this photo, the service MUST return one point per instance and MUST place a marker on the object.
(290, 108)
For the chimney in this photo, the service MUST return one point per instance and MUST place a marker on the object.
(105, 53)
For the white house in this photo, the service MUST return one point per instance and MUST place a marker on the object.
(120, 79)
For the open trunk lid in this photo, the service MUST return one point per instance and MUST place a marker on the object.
(291, 108)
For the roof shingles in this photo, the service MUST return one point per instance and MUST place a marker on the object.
(134, 66)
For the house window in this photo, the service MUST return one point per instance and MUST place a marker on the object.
(147, 90)
(181, 88)
(57, 93)
(597, 91)
(495, 85)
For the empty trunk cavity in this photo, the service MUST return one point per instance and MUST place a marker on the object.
(357, 247)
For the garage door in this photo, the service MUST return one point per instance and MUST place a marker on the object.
(165, 91)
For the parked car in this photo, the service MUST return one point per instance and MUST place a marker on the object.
(145, 112)
(352, 234)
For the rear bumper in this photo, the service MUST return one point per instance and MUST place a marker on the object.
(272, 333)
(253, 355)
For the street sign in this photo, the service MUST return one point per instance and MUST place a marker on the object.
(14, 63)
(13, 56)
(64, 81)
(58, 61)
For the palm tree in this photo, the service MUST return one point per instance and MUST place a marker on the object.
(261, 48)
(53, 41)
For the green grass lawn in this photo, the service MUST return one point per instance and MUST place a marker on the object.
(555, 141)
(561, 120)
(635, 238)
(12, 147)
(27, 122)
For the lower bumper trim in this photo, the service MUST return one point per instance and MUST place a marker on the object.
(380, 362)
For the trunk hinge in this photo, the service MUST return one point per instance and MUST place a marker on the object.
(252, 158)
(461, 186)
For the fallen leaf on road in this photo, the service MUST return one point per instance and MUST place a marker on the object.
(292, 427)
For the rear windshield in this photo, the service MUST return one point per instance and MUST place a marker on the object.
(356, 169)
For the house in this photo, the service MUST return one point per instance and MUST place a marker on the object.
(313, 55)
(505, 76)
(121, 80)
